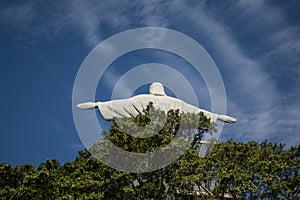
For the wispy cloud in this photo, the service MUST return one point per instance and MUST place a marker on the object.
(19, 18)
(93, 18)
(20, 15)
(252, 93)
(272, 21)
(281, 41)
(281, 38)
(251, 79)
(253, 96)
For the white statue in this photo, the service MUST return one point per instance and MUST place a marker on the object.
(135, 105)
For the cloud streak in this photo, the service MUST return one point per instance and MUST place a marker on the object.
(252, 71)
(253, 96)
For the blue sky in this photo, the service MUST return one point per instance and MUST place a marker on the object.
(255, 45)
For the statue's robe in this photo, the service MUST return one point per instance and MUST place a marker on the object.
(135, 105)
(131, 107)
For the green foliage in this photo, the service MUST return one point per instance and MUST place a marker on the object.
(256, 171)
(233, 170)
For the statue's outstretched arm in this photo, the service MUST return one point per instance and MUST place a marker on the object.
(110, 109)
(106, 111)
(87, 106)
(225, 118)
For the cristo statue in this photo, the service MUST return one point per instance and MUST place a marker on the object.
(131, 107)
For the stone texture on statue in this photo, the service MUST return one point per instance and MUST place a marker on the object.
(135, 105)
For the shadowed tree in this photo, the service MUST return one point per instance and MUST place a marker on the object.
(232, 170)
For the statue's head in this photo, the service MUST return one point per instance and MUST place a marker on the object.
(157, 88)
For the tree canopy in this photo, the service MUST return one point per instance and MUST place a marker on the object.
(232, 169)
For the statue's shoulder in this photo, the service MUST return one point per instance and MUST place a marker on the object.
(143, 97)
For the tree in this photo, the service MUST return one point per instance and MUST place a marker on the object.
(165, 182)
(256, 171)
(232, 170)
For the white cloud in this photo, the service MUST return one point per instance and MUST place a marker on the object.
(282, 36)
(20, 15)
(253, 95)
